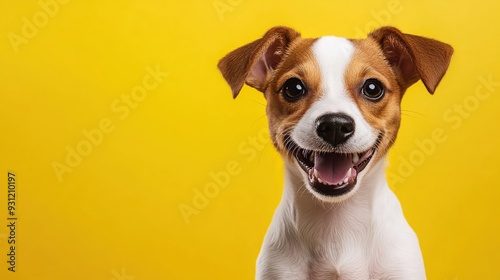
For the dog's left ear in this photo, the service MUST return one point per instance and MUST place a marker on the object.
(413, 57)
(253, 62)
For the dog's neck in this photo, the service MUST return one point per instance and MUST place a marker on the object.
(311, 216)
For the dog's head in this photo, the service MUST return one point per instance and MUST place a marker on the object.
(333, 104)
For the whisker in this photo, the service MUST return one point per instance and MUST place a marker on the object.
(257, 102)
(415, 114)
(258, 119)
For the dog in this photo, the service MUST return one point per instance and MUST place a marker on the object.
(333, 108)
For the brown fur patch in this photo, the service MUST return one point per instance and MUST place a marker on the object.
(367, 62)
(299, 62)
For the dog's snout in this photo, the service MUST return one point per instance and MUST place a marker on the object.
(335, 128)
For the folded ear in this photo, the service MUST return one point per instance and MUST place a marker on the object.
(253, 62)
(413, 57)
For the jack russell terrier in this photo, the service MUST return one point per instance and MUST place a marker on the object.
(333, 106)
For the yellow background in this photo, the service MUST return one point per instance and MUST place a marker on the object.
(117, 214)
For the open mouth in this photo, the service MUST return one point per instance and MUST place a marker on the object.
(331, 173)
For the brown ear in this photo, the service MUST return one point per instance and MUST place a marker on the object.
(414, 57)
(253, 62)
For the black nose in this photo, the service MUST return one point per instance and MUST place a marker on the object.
(335, 128)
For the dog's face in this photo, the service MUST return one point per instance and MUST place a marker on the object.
(333, 104)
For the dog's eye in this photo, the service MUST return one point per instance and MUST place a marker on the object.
(293, 89)
(373, 89)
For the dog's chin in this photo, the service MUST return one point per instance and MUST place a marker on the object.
(332, 176)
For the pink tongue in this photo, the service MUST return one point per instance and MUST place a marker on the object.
(332, 167)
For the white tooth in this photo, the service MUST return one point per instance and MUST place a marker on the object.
(319, 180)
(348, 173)
(346, 180)
(355, 158)
(316, 173)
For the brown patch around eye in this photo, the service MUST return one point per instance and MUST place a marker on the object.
(283, 115)
(383, 114)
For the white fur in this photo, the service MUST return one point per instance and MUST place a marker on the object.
(363, 237)
(333, 55)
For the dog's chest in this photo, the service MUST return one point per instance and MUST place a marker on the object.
(340, 245)
(340, 259)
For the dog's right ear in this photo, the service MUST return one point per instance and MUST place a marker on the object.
(254, 62)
